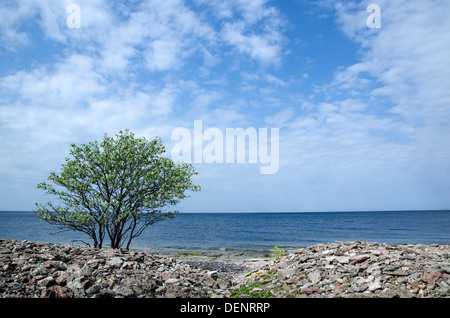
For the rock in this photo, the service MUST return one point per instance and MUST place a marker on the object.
(404, 293)
(342, 259)
(172, 281)
(115, 262)
(94, 263)
(209, 281)
(308, 290)
(287, 272)
(396, 273)
(58, 292)
(124, 291)
(46, 282)
(61, 280)
(293, 280)
(94, 289)
(431, 278)
(55, 264)
(85, 271)
(352, 269)
(359, 258)
(388, 293)
(376, 284)
(224, 283)
(74, 270)
(314, 277)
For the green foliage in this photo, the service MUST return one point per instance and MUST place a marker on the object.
(115, 188)
(256, 289)
(248, 290)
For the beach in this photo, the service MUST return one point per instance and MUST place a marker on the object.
(334, 270)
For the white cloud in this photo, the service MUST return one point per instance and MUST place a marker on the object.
(274, 80)
(12, 35)
(162, 55)
(253, 28)
(68, 83)
(384, 134)
(385, 117)
(261, 47)
(407, 62)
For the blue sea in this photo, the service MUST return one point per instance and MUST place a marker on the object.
(253, 233)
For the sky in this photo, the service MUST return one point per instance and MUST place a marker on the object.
(361, 109)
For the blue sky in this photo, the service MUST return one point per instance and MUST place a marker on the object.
(362, 112)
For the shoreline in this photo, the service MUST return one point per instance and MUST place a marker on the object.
(333, 270)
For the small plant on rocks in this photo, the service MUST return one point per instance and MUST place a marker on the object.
(277, 252)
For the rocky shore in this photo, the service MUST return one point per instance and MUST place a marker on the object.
(44, 270)
(355, 270)
(351, 269)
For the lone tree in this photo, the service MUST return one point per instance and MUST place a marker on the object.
(116, 188)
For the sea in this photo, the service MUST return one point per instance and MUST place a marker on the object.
(252, 234)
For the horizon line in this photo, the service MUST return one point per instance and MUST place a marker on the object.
(260, 212)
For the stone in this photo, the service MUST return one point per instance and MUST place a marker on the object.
(431, 278)
(94, 289)
(210, 282)
(59, 292)
(293, 280)
(85, 283)
(342, 259)
(359, 258)
(314, 277)
(73, 269)
(46, 282)
(129, 264)
(224, 283)
(404, 293)
(172, 281)
(34, 269)
(115, 262)
(124, 291)
(166, 275)
(287, 271)
(94, 263)
(397, 272)
(55, 264)
(308, 290)
(85, 271)
(62, 279)
(376, 284)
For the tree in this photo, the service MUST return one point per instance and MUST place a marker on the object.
(116, 188)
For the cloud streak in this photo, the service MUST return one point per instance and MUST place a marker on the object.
(379, 124)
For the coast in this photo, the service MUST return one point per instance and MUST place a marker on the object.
(334, 270)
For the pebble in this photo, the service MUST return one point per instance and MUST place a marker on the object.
(334, 270)
(359, 269)
(35, 270)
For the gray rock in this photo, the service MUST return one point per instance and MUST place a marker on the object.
(376, 284)
(124, 291)
(353, 269)
(172, 281)
(85, 271)
(342, 259)
(404, 293)
(314, 277)
(115, 262)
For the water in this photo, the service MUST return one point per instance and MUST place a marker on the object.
(253, 233)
